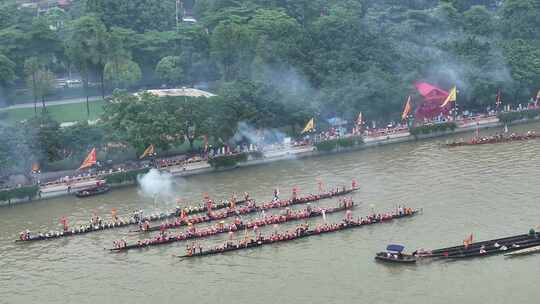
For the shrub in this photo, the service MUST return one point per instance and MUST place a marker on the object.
(513, 116)
(125, 176)
(19, 193)
(333, 144)
(432, 128)
(227, 161)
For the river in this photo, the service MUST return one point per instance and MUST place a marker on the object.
(490, 191)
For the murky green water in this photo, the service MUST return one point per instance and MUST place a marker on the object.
(489, 190)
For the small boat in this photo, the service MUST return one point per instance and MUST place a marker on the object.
(531, 250)
(394, 254)
(93, 191)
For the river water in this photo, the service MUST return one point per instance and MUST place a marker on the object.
(490, 191)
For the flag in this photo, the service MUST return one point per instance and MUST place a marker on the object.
(89, 161)
(538, 95)
(408, 109)
(310, 126)
(360, 120)
(499, 98)
(149, 151)
(452, 96)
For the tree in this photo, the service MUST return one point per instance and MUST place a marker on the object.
(43, 42)
(45, 81)
(31, 68)
(7, 71)
(520, 19)
(523, 57)
(478, 21)
(86, 48)
(141, 120)
(169, 70)
(122, 74)
(232, 46)
(137, 15)
(193, 116)
(80, 138)
(277, 38)
(43, 138)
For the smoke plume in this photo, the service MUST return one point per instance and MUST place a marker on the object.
(156, 185)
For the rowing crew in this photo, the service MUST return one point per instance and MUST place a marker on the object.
(26, 235)
(221, 227)
(298, 232)
(245, 242)
(209, 205)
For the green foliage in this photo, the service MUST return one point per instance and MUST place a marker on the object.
(27, 192)
(141, 120)
(7, 71)
(227, 161)
(125, 176)
(513, 116)
(334, 144)
(169, 70)
(433, 128)
(273, 63)
(138, 15)
(122, 73)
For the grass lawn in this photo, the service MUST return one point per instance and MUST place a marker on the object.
(61, 113)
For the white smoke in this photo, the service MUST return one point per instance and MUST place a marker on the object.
(156, 185)
(257, 137)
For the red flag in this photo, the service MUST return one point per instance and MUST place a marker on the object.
(90, 160)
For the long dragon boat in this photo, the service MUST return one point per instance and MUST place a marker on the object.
(486, 248)
(300, 232)
(235, 226)
(496, 139)
(27, 236)
(521, 252)
(249, 208)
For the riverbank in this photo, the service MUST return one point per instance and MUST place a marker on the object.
(279, 154)
(462, 191)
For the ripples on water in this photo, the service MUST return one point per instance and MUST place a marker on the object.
(487, 190)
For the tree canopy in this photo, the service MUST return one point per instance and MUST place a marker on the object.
(272, 63)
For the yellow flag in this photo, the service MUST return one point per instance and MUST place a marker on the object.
(451, 97)
(407, 110)
(309, 126)
(149, 151)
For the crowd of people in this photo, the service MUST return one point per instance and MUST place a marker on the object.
(238, 224)
(298, 232)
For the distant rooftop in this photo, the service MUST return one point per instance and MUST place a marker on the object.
(44, 5)
(188, 92)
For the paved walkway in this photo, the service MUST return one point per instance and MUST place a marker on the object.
(54, 103)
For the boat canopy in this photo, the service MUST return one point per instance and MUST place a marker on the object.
(395, 248)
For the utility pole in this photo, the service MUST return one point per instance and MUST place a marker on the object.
(179, 11)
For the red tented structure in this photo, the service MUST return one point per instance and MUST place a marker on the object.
(432, 99)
